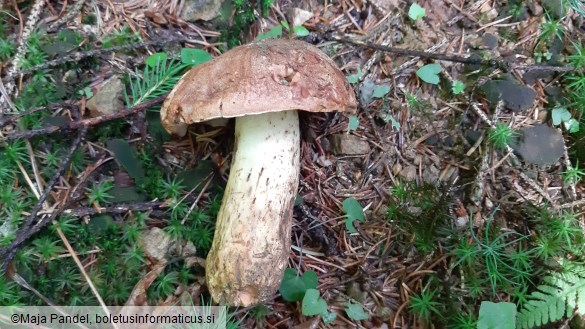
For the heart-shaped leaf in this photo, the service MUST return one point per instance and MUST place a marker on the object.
(328, 317)
(572, 125)
(429, 73)
(457, 87)
(293, 287)
(354, 211)
(194, 57)
(356, 312)
(496, 315)
(310, 279)
(380, 91)
(156, 59)
(560, 114)
(313, 304)
(301, 31)
(416, 11)
(354, 123)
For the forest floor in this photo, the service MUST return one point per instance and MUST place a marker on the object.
(466, 167)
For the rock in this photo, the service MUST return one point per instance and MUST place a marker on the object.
(490, 40)
(299, 16)
(535, 8)
(555, 8)
(516, 96)
(107, 99)
(155, 243)
(348, 145)
(205, 10)
(541, 145)
(408, 173)
(323, 161)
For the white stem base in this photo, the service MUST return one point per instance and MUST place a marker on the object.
(253, 234)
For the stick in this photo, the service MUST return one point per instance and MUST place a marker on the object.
(499, 64)
(74, 125)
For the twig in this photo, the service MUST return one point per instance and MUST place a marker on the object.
(11, 119)
(499, 64)
(573, 189)
(574, 204)
(22, 49)
(67, 17)
(74, 125)
(416, 53)
(28, 229)
(115, 209)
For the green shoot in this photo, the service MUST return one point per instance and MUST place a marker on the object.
(501, 136)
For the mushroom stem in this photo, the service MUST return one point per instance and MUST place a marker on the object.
(252, 238)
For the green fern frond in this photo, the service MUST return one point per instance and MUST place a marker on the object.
(559, 296)
(156, 80)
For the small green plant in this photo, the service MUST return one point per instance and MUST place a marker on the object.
(493, 254)
(462, 321)
(165, 284)
(429, 73)
(354, 212)
(413, 102)
(159, 77)
(313, 304)
(559, 295)
(574, 174)
(276, 32)
(99, 193)
(501, 136)
(353, 123)
(562, 115)
(293, 287)
(551, 29)
(416, 12)
(458, 87)
(121, 37)
(577, 59)
(424, 305)
(7, 49)
(355, 312)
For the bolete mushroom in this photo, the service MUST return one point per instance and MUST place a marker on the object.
(262, 85)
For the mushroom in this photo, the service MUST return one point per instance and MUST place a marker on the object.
(262, 85)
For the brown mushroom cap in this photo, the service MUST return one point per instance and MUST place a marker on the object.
(265, 76)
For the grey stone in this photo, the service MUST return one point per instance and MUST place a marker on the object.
(108, 99)
(206, 10)
(541, 145)
(348, 145)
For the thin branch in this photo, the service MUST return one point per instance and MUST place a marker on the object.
(499, 64)
(115, 209)
(74, 125)
(12, 118)
(21, 51)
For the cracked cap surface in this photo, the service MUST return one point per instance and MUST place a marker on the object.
(264, 76)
